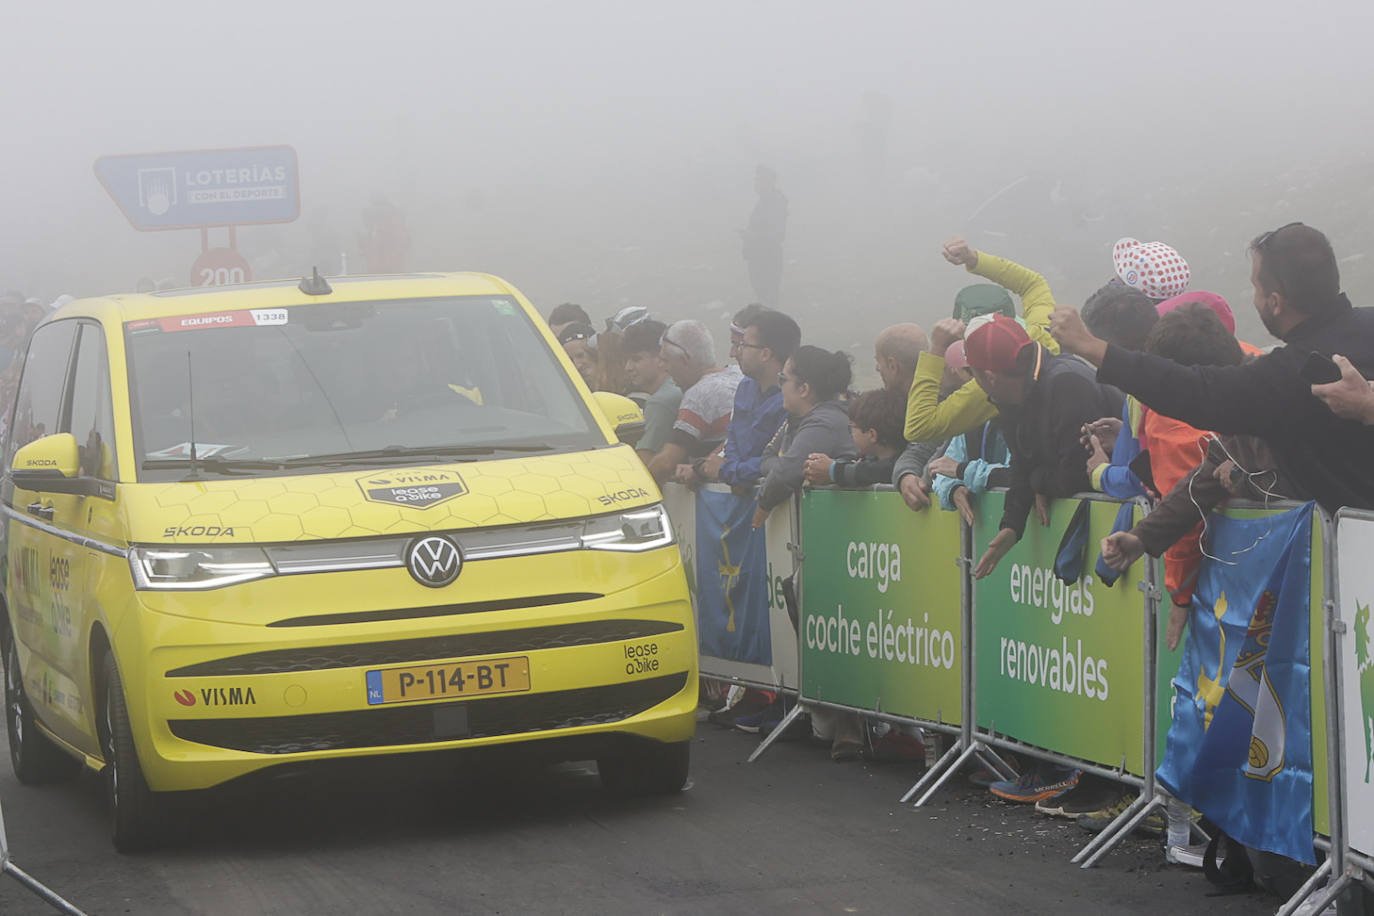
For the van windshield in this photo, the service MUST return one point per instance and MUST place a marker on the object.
(292, 390)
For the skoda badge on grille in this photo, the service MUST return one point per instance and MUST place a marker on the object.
(434, 561)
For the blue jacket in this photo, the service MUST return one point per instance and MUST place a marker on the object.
(1117, 479)
(987, 469)
(757, 417)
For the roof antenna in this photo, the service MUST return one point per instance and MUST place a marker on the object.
(191, 415)
(315, 285)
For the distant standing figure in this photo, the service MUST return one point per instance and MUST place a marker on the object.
(385, 240)
(763, 237)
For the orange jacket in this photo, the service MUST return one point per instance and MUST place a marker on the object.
(1175, 449)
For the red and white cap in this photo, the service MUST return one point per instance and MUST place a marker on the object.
(992, 342)
(1154, 268)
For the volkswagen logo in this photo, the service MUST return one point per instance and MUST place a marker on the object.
(434, 561)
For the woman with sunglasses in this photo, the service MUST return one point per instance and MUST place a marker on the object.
(812, 382)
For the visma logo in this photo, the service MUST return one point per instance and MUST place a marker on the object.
(185, 697)
(228, 696)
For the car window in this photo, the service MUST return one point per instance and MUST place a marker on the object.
(92, 415)
(343, 380)
(38, 403)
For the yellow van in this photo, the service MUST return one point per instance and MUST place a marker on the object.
(278, 523)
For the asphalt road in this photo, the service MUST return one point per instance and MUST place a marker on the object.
(792, 833)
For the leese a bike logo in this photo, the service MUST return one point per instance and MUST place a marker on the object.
(412, 489)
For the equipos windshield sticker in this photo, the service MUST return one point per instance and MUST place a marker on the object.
(416, 489)
(203, 450)
(238, 318)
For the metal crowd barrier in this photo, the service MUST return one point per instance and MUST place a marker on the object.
(40, 890)
(893, 626)
(782, 547)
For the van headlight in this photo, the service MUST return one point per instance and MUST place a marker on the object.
(197, 567)
(639, 529)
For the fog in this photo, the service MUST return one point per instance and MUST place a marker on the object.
(603, 152)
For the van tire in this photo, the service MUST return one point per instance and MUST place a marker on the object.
(646, 768)
(36, 759)
(136, 815)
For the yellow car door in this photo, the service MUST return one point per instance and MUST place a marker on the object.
(41, 550)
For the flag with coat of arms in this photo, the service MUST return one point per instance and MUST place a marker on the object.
(732, 580)
(1240, 746)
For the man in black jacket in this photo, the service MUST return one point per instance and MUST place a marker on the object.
(1044, 401)
(1299, 299)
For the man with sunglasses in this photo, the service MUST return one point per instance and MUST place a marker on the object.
(1298, 297)
(770, 337)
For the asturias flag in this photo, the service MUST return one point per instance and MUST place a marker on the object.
(732, 580)
(1240, 747)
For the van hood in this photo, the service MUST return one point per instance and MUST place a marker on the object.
(367, 502)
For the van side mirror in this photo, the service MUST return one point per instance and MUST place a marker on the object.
(622, 414)
(48, 464)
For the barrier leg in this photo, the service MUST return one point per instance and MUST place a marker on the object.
(1324, 898)
(767, 742)
(39, 889)
(939, 770)
(977, 750)
(968, 746)
(1118, 830)
(1149, 800)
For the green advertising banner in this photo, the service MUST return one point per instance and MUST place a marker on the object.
(881, 605)
(1059, 666)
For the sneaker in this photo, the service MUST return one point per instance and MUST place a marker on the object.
(764, 720)
(1031, 787)
(1190, 856)
(898, 747)
(1084, 798)
(1098, 821)
(712, 696)
(751, 705)
(846, 749)
(983, 778)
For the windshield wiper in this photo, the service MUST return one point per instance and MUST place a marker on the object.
(391, 452)
(218, 465)
(230, 466)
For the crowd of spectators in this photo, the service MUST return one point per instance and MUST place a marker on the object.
(1143, 393)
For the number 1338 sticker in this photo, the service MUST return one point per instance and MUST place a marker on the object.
(268, 316)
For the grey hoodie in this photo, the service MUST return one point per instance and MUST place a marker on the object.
(825, 430)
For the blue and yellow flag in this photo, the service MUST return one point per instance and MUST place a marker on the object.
(1240, 747)
(732, 580)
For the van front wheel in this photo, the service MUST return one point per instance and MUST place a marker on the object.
(135, 810)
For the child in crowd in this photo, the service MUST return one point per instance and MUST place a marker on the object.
(875, 425)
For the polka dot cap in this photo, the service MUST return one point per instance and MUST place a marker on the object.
(1154, 268)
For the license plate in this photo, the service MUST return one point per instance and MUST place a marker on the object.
(450, 681)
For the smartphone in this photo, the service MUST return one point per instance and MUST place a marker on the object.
(1320, 370)
(1143, 471)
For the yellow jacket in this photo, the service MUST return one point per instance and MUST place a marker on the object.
(927, 417)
